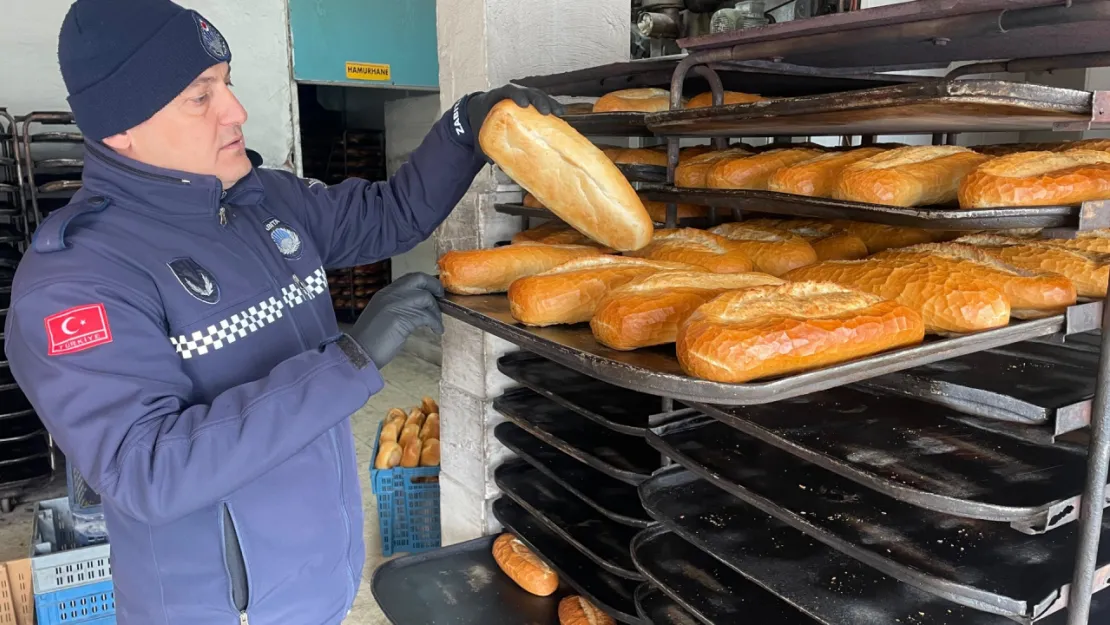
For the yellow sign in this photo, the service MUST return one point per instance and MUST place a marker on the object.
(368, 71)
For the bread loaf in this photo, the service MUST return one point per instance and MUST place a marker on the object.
(828, 241)
(391, 431)
(410, 455)
(658, 211)
(389, 455)
(696, 247)
(429, 453)
(556, 233)
(570, 293)
(772, 251)
(879, 237)
(430, 429)
(1088, 271)
(429, 406)
(910, 176)
(817, 176)
(693, 172)
(693, 151)
(950, 302)
(530, 201)
(1097, 241)
(1038, 179)
(1084, 144)
(474, 272)
(645, 100)
(1031, 294)
(753, 172)
(640, 156)
(775, 330)
(649, 310)
(395, 413)
(703, 100)
(523, 567)
(575, 610)
(408, 433)
(567, 173)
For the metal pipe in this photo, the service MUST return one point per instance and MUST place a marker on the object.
(1042, 64)
(717, 88)
(1094, 491)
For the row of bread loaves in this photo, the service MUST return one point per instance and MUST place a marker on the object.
(410, 439)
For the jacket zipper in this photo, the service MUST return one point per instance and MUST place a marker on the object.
(236, 566)
(346, 516)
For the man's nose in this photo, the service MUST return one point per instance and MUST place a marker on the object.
(233, 114)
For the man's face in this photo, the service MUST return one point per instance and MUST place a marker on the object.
(199, 132)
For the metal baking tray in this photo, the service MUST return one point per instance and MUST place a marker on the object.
(703, 585)
(463, 582)
(57, 137)
(542, 213)
(623, 124)
(980, 564)
(656, 608)
(620, 409)
(909, 450)
(643, 173)
(611, 497)
(828, 586)
(602, 540)
(656, 370)
(608, 592)
(626, 458)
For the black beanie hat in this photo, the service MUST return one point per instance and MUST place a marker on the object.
(123, 60)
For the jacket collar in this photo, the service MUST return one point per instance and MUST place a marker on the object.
(164, 190)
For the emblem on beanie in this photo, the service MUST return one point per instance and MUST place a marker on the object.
(285, 238)
(213, 42)
(198, 281)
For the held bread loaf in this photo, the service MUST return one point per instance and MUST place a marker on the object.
(570, 293)
(389, 455)
(775, 330)
(703, 100)
(692, 173)
(429, 453)
(772, 251)
(950, 302)
(1038, 179)
(817, 176)
(753, 172)
(566, 173)
(1031, 294)
(1086, 270)
(828, 241)
(474, 272)
(523, 567)
(910, 176)
(649, 310)
(696, 247)
(575, 610)
(879, 237)
(644, 100)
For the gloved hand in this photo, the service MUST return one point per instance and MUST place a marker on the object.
(397, 311)
(479, 106)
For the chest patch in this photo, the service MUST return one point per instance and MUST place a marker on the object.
(285, 238)
(198, 281)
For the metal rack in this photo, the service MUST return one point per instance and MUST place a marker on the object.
(52, 154)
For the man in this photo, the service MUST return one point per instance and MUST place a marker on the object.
(173, 327)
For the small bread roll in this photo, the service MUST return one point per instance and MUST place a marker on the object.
(391, 430)
(431, 427)
(429, 406)
(395, 414)
(575, 610)
(429, 453)
(523, 567)
(416, 416)
(410, 456)
(703, 100)
(646, 100)
(410, 432)
(389, 456)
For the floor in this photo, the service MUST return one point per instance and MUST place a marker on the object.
(408, 379)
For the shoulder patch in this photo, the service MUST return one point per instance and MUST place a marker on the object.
(77, 329)
(50, 235)
(285, 238)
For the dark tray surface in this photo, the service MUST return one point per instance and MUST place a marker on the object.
(656, 608)
(622, 124)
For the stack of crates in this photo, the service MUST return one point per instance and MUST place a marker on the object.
(72, 583)
(408, 507)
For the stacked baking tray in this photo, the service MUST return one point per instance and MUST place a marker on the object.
(53, 158)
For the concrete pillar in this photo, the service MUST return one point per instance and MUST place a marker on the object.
(484, 44)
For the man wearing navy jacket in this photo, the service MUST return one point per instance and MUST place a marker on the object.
(173, 328)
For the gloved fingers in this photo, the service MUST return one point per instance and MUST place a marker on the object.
(541, 102)
(420, 281)
(433, 319)
(519, 96)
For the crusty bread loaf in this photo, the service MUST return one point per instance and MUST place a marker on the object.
(430, 429)
(643, 100)
(473, 272)
(949, 301)
(817, 176)
(391, 431)
(389, 455)
(410, 455)
(429, 453)
(658, 211)
(753, 172)
(1002, 149)
(775, 330)
(570, 293)
(575, 610)
(567, 173)
(693, 151)
(828, 241)
(649, 310)
(910, 176)
(1097, 241)
(523, 567)
(696, 247)
(1084, 144)
(879, 237)
(408, 433)
(556, 233)
(640, 156)
(1038, 179)
(1088, 271)
(692, 173)
(772, 251)
(1031, 294)
(703, 100)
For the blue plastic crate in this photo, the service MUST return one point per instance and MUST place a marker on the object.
(408, 507)
(72, 582)
(91, 604)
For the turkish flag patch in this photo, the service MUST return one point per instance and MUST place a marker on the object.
(77, 329)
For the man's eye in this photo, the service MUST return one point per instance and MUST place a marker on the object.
(200, 99)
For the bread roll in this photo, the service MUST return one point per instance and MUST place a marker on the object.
(658, 211)
(827, 241)
(1031, 294)
(408, 433)
(640, 156)
(474, 272)
(910, 176)
(772, 251)
(949, 301)
(430, 429)
(391, 430)
(1088, 271)
(817, 176)
(753, 172)
(775, 330)
(429, 453)
(646, 100)
(523, 567)
(556, 233)
(649, 310)
(410, 454)
(696, 247)
(692, 173)
(417, 416)
(879, 237)
(570, 293)
(703, 100)
(567, 173)
(389, 455)
(575, 610)
(1038, 179)
(429, 406)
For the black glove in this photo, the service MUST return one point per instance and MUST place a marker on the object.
(397, 311)
(479, 106)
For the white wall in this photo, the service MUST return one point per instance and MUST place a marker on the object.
(257, 31)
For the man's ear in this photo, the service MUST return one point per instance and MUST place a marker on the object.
(119, 143)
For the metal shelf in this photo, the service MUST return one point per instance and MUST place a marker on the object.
(610, 124)
(543, 213)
